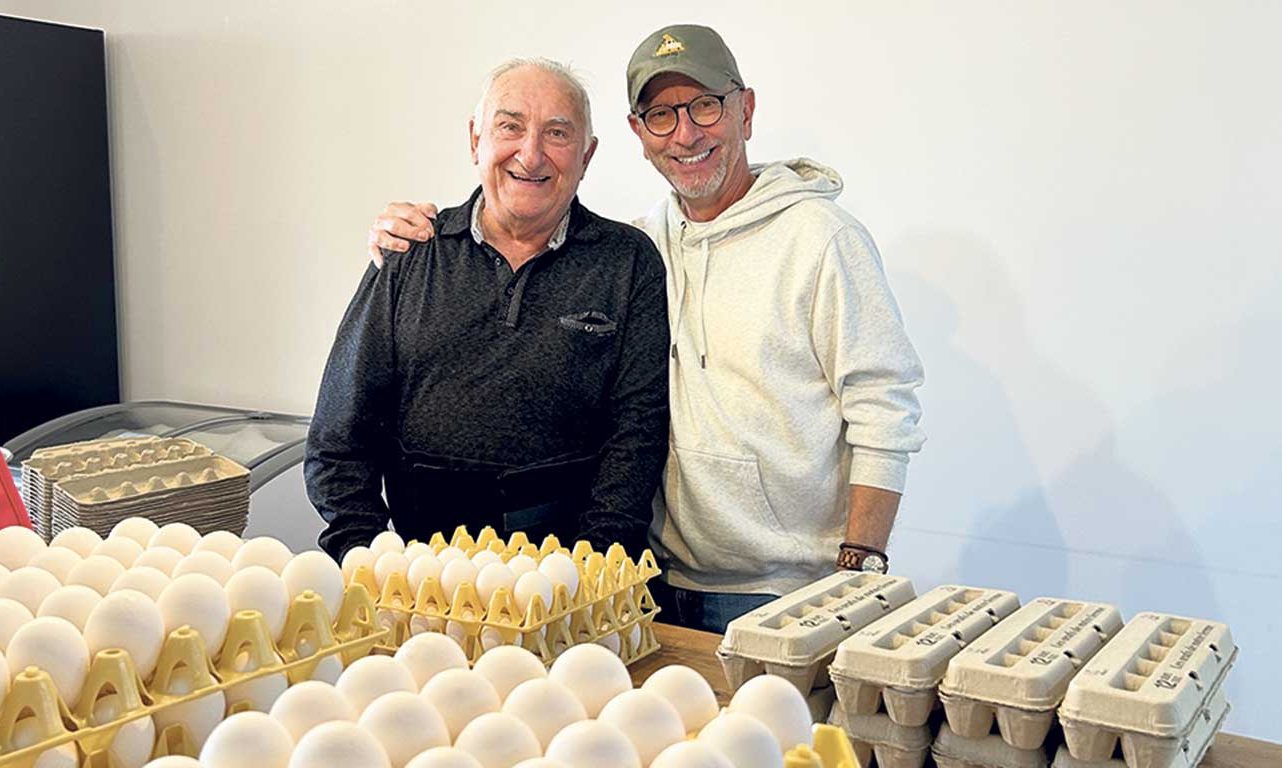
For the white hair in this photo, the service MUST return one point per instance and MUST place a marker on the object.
(574, 83)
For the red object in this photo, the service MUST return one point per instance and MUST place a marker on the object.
(12, 511)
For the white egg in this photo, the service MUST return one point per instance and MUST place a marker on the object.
(444, 757)
(138, 529)
(163, 559)
(498, 740)
(56, 560)
(13, 615)
(78, 539)
(485, 557)
(308, 704)
(688, 691)
(124, 550)
(258, 694)
(610, 642)
(339, 743)
(264, 551)
(328, 670)
(691, 754)
(198, 716)
(18, 545)
(647, 719)
(259, 589)
(212, 564)
(427, 654)
(405, 724)
(247, 738)
(174, 761)
(54, 645)
(491, 638)
(508, 666)
(387, 564)
(73, 602)
(593, 675)
(546, 706)
(319, 573)
(224, 543)
(417, 549)
(539, 762)
(457, 632)
(744, 740)
(368, 678)
(561, 570)
(355, 558)
(27, 731)
(98, 572)
(778, 705)
(387, 541)
(422, 567)
(142, 578)
(522, 564)
(530, 584)
(131, 621)
(197, 601)
(491, 578)
(461, 696)
(454, 573)
(134, 740)
(590, 744)
(29, 585)
(179, 536)
(450, 553)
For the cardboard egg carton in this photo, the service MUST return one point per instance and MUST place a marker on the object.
(877, 736)
(796, 636)
(987, 751)
(900, 659)
(1018, 672)
(1148, 688)
(1191, 750)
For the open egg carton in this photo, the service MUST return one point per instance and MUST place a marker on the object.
(796, 636)
(1156, 689)
(48, 466)
(612, 605)
(184, 673)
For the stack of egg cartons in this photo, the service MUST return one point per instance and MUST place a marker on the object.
(1157, 688)
(887, 675)
(796, 636)
(1014, 677)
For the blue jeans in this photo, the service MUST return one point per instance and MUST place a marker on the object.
(708, 611)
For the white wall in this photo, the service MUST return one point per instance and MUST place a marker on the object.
(1077, 204)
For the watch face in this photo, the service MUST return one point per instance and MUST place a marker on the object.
(873, 563)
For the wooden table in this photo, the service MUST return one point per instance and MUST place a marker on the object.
(698, 650)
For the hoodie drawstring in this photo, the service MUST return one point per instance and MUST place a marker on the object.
(703, 294)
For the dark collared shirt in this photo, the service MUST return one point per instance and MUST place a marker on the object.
(480, 395)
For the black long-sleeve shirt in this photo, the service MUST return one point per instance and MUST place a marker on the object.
(480, 395)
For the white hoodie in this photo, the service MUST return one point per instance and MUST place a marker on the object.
(791, 378)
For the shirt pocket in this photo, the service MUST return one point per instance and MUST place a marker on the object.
(591, 322)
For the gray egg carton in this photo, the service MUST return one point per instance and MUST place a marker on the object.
(1192, 748)
(900, 659)
(876, 735)
(1019, 672)
(1151, 687)
(796, 635)
(988, 751)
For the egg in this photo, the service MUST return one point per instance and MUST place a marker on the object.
(491, 578)
(355, 558)
(417, 549)
(199, 716)
(387, 541)
(405, 724)
(647, 719)
(485, 557)
(138, 529)
(460, 695)
(593, 675)
(778, 705)
(260, 589)
(328, 670)
(142, 578)
(450, 553)
(134, 740)
(691, 754)
(78, 539)
(539, 762)
(590, 744)
(687, 691)
(422, 567)
(444, 757)
(56, 560)
(131, 621)
(319, 573)
(27, 732)
(545, 706)
(124, 550)
(264, 551)
(339, 743)
(610, 642)
(427, 654)
(530, 584)
(260, 693)
(224, 543)
(308, 704)
(54, 645)
(18, 544)
(73, 602)
(247, 738)
(98, 572)
(387, 564)
(498, 740)
(174, 761)
(744, 740)
(179, 536)
(211, 564)
(197, 601)
(368, 678)
(522, 564)
(508, 666)
(163, 559)
(454, 573)
(29, 585)
(560, 569)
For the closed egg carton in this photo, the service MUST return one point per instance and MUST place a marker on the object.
(124, 484)
(988, 751)
(1018, 672)
(795, 636)
(877, 736)
(899, 660)
(1189, 753)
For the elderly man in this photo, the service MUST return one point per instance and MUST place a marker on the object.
(792, 379)
(513, 371)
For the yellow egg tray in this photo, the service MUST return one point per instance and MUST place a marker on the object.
(248, 645)
(612, 599)
(830, 748)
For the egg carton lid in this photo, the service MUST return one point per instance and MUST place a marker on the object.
(1028, 659)
(806, 625)
(93, 458)
(880, 729)
(910, 648)
(109, 443)
(1153, 677)
(1193, 748)
(989, 751)
(107, 487)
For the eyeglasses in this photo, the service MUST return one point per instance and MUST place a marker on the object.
(705, 112)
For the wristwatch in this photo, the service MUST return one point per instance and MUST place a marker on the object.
(857, 557)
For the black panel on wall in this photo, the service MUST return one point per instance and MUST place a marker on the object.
(58, 348)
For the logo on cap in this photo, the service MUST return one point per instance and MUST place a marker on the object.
(669, 45)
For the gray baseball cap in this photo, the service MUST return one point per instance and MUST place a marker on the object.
(687, 49)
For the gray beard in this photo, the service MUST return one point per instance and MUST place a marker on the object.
(700, 190)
